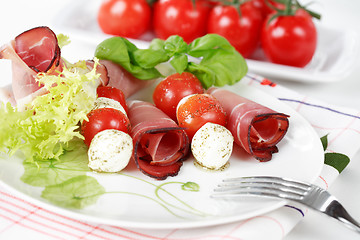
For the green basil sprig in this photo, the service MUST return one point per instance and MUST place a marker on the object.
(216, 62)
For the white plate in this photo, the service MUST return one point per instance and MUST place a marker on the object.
(334, 58)
(300, 156)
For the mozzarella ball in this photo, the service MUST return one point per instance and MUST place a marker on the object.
(212, 146)
(103, 102)
(110, 151)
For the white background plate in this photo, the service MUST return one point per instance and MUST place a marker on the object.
(334, 59)
(300, 156)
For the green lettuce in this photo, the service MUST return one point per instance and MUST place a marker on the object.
(51, 120)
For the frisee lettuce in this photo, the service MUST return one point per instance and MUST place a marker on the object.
(51, 120)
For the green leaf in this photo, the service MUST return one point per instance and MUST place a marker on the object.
(337, 160)
(120, 51)
(77, 192)
(220, 63)
(324, 141)
(58, 114)
(175, 45)
(63, 40)
(179, 62)
(202, 46)
(149, 58)
(49, 172)
(190, 186)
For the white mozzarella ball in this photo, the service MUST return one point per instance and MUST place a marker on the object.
(110, 151)
(103, 102)
(212, 146)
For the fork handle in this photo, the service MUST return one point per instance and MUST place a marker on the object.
(336, 210)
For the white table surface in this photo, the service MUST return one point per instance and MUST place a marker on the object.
(19, 15)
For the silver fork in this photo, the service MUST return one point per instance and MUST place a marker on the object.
(307, 194)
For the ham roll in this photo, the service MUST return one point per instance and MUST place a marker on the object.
(122, 79)
(160, 145)
(33, 51)
(256, 128)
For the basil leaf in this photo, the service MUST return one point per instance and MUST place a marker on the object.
(210, 71)
(121, 51)
(202, 72)
(220, 63)
(179, 62)
(200, 47)
(175, 45)
(77, 192)
(149, 58)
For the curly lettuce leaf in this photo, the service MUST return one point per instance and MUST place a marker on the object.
(52, 119)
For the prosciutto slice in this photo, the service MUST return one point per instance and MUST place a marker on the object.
(160, 145)
(256, 128)
(122, 79)
(33, 51)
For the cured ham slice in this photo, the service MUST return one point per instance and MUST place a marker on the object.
(39, 49)
(33, 51)
(160, 145)
(122, 79)
(255, 128)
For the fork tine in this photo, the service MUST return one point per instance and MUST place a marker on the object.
(261, 186)
(278, 180)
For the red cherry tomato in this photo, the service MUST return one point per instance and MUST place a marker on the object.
(126, 18)
(196, 110)
(180, 17)
(101, 119)
(172, 89)
(242, 31)
(290, 40)
(112, 93)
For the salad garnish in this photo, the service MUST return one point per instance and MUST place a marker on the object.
(51, 120)
(206, 50)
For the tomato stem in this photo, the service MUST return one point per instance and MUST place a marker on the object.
(290, 8)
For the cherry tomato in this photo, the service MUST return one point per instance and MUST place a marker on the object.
(196, 110)
(101, 119)
(243, 32)
(112, 93)
(126, 18)
(290, 40)
(180, 17)
(172, 89)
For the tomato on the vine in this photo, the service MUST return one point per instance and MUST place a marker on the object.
(112, 93)
(180, 17)
(102, 119)
(196, 110)
(290, 40)
(172, 89)
(242, 29)
(126, 18)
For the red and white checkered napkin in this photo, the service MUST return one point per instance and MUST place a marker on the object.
(20, 219)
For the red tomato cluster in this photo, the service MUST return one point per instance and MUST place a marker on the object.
(288, 40)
